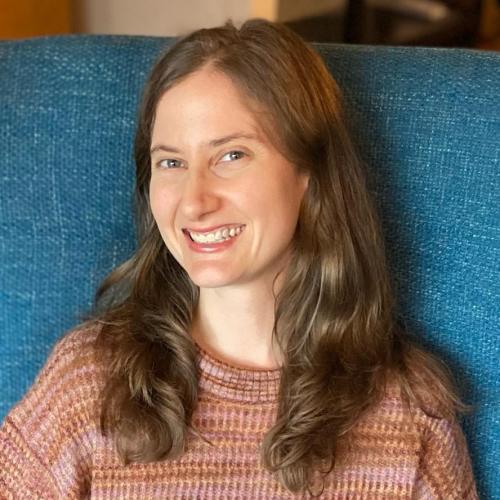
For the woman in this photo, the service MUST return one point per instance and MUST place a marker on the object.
(249, 348)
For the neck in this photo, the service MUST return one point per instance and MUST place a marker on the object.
(236, 324)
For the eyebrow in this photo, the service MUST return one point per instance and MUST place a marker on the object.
(213, 143)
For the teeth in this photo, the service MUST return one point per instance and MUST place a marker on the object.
(216, 236)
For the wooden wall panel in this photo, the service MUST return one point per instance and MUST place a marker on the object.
(25, 18)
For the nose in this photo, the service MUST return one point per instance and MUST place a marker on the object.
(198, 196)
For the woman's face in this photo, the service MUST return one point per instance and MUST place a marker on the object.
(225, 200)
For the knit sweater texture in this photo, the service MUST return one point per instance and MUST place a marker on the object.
(51, 446)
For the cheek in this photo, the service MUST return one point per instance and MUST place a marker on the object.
(284, 200)
(154, 201)
(161, 204)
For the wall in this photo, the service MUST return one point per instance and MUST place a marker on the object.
(24, 18)
(155, 17)
(289, 10)
(177, 17)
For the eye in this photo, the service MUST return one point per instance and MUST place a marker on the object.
(169, 163)
(233, 155)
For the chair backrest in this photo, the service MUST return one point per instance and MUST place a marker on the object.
(427, 122)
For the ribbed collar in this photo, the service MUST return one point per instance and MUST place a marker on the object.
(236, 383)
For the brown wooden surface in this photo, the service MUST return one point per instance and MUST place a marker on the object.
(26, 18)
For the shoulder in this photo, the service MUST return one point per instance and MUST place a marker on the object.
(47, 439)
(68, 379)
(401, 420)
(421, 386)
(431, 433)
(420, 409)
(73, 352)
(415, 437)
(75, 343)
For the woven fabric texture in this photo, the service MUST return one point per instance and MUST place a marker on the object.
(427, 122)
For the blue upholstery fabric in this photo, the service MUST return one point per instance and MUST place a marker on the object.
(428, 125)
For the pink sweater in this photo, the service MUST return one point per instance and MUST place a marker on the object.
(51, 447)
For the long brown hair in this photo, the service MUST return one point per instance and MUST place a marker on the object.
(334, 315)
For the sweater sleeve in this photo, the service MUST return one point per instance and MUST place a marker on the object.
(445, 470)
(46, 439)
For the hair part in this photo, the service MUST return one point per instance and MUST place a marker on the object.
(334, 315)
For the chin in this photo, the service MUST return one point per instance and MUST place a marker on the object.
(210, 278)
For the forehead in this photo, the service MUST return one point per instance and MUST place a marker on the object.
(203, 91)
(211, 98)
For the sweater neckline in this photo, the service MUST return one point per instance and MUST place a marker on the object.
(250, 385)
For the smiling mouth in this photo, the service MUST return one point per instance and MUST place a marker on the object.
(212, 237)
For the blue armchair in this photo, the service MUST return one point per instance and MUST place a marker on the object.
(427, 122)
